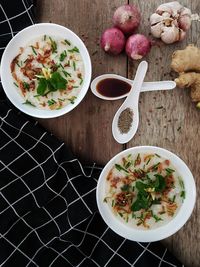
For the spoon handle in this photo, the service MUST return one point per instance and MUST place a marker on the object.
(138, 80)
(157, 86)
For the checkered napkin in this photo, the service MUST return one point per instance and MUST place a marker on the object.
(48, 212)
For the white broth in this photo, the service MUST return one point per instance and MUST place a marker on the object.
(144, 191)
(48, 72)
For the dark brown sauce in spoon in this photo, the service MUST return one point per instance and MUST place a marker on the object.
(112, 87)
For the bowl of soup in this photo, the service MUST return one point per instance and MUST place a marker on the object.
(146, 193)
(46, 70)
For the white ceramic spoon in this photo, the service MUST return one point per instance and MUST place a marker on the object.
(132, 103)
(146, 86)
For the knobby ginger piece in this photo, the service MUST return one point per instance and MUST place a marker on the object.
(187, 63)
(186, 60)
(192, 80)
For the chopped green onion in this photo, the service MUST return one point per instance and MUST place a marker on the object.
(26, 85)
(53, 45)
(66, 73)
(183, 194)
(75, 49)
(67, 42)
(15, 84)
(63, 55)
(33, 49)
(72, 99)
(45, 37)
(74, 65)
(61, 66)
(18, 64)
(27, 102)
(51, 102)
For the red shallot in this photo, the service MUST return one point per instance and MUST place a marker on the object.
(137, 46)
(127, 18)
(113, 41)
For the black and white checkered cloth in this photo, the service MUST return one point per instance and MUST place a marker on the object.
(48, 212)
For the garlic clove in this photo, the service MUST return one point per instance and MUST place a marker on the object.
(184, 22)
(172, 8)
(170, 35)
(157, 29)
(165, 15)
(155, 18)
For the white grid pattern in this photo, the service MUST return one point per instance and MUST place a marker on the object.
(75, 217)
(53, 219)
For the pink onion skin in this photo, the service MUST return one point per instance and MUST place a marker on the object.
(127, 18)
(113, 41)
(137, 46)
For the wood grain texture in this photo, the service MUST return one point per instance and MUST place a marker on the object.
(174, 127)
(87, 129)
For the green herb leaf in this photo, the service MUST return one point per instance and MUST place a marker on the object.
(57, 81)
(53, 45)
(26, 85)
(74, 65)
(72, 99)
(156, 218)
(182, 194)
(169, 171)
(181, 183)
(159, 183)
(42, 85)
(141, 186)
(67, 42)
(51, 102)
(75, 49)
(125, 187)
(141, 202)
(66, 73)
(27, 102)
(63, 55)
(33, 49)
(15, 84)
(120, 168)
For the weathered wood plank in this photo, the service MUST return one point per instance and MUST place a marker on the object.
(174, 127)
(87, 129)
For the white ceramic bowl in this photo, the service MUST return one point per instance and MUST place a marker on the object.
(20, 40)
(159, 233)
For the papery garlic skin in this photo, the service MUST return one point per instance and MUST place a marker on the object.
(170, 22)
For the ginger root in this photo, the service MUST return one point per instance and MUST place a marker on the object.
(187, 63)
(186, 60)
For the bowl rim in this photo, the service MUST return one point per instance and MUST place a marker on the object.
(161, 232)
(47, 113)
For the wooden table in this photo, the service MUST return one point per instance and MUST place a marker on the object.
(176, 126)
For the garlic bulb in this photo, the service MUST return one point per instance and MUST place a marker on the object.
(170, 22)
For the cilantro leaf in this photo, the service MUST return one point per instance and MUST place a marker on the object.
(42, 85)
(57, 81)
(159, 183)
(141, 186)
(141, 202)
